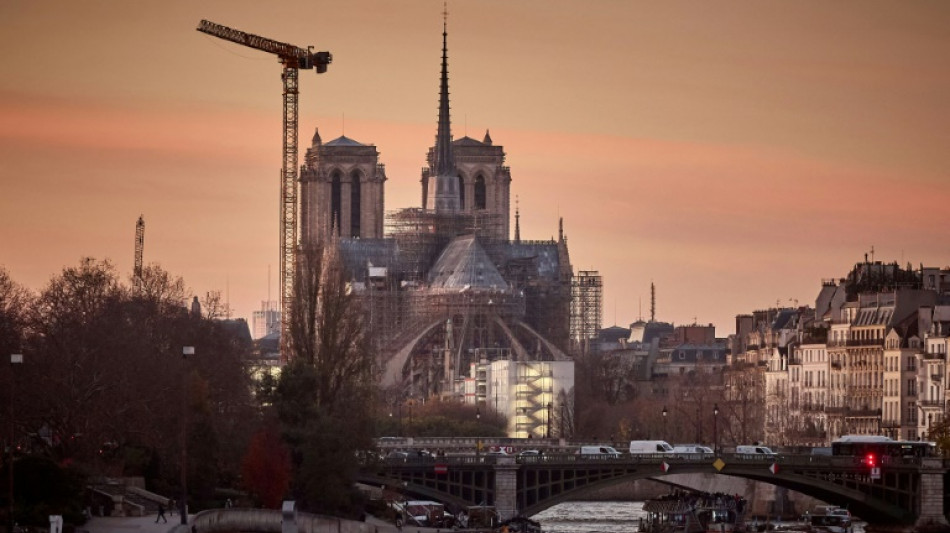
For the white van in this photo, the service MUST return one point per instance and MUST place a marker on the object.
(607, 451)
(641, 447)
(682, 450)
(755, 450)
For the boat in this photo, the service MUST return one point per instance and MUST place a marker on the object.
(519, 524)
(829, 519)
(423, 513)
(693, 512)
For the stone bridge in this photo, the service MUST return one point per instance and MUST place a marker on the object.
(907, 492)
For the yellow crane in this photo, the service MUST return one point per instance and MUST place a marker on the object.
(293, 58)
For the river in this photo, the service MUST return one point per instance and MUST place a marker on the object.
(601, 517)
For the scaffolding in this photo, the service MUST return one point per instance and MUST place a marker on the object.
(422, 234)
(587, 291)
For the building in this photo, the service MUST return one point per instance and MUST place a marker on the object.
(587, 308)
(266, 320)
(449, 297)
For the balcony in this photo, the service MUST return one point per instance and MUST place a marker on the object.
(866, 342)
(936, 377)
(863, 413)
(931, 403)
(890, 424)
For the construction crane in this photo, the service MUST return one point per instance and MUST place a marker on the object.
(139, 251)
(292, 58)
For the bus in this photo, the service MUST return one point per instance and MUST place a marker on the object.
(874, 449)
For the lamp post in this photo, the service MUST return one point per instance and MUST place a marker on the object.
(185, 352)
(665, 412)
(715, 428)
(478, 440)
(15, 359)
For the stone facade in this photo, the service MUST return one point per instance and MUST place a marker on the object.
(341, 191)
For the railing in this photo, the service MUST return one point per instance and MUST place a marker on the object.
(550, 459)
(930, 403)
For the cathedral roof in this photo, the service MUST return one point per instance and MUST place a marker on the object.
(464, 265)
(467, 141)
(343, 140)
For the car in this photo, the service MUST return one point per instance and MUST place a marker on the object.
(755, 450)
(529, 453)
(397, 456)
(598, 452)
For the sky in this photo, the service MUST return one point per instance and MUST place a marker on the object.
(735, 154)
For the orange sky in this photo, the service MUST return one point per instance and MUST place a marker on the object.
(734, 153)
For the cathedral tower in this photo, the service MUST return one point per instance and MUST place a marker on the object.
(341, 191)
(466, 176)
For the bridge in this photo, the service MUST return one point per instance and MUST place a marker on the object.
(907, 492)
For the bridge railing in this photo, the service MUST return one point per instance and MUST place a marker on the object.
(575, 458)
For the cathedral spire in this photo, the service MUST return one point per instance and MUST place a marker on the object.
(444, 162)
(517, 221)
(445, 194)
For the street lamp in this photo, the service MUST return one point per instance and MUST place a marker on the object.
(715, 428)
(15, 359)
(665, 412)
(478, 440)
(185, 352)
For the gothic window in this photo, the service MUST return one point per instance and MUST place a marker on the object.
(480, 193)
(461, 187)
(336, 202)
(355, 204)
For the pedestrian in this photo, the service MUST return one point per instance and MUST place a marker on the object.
(171, 507)
(227, 504)
(161, 514)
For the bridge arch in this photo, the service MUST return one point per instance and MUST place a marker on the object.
(897, 498)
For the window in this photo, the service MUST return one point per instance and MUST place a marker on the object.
(355, 198)
(336, 201)
(480, 193)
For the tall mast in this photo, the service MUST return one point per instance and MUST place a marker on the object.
(446, 194)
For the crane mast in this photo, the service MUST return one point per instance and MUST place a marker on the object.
(292, 58)
(139, 251)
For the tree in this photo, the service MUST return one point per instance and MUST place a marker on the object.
(15, 301)
(108, 362)
(325, 395)
(266, 466)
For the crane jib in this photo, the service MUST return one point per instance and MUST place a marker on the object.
(288, 53)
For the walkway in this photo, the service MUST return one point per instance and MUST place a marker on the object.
(130, 524)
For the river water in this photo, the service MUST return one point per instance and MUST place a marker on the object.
(601, 517)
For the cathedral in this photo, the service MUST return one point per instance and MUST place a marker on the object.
(457, 308)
